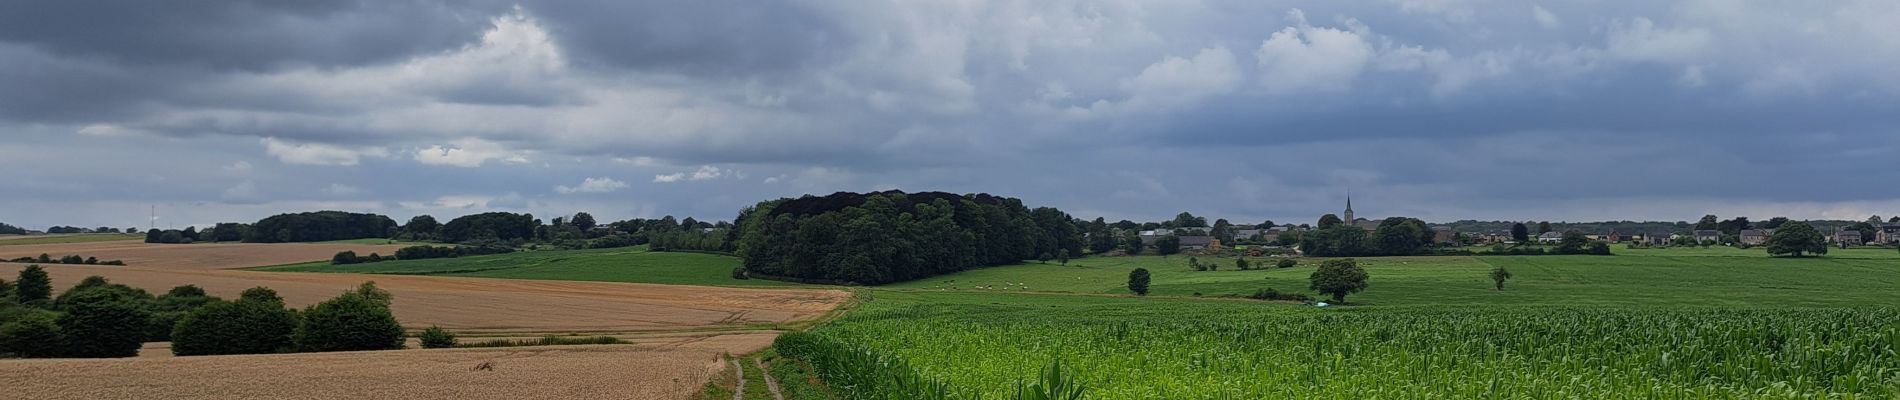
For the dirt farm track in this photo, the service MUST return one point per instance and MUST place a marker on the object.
(679, 331)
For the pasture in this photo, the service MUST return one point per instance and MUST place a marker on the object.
(1704, 277)
(630, 264)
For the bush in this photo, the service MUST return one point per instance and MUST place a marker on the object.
(352, 321)
(1274, 294)
(260, 294)
(239, 327)
(1286, 263)
(436, 338)
(739, 273)
(32, 335)
(345, 257)
(102, 322)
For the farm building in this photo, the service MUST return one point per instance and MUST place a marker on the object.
(1755, 237)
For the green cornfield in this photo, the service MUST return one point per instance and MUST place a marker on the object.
(1237, 350)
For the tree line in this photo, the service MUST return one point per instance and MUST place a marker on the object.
(883, 237)
(100, 319)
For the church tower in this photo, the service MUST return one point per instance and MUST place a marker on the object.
(1349, 219)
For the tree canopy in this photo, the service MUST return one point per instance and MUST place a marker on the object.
(1338, 278)
(1795, 239)
(317, 226)
(491, 226)
(893, 236)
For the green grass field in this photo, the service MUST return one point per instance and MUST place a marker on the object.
(1708, 277)
(80, 238)
(633, 264)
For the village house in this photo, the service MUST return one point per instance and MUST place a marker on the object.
(1888, 233)
(1659, 240)
(1847, 237)
(1550, 237)
(1708, 235)
(1755, 237)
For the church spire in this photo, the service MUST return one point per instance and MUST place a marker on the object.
(1349, 219)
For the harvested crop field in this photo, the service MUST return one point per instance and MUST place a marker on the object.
(484, 305)
(668, 370)
(197, 256)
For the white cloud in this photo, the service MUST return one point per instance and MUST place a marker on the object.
(1180, 81)
(468, 153)
(1640, 39)
(318, 153)
(705, 172)
(593, 185)
(1304, 57)
(104, 130)
(1545, 18)
(338, 189)
(240, 166)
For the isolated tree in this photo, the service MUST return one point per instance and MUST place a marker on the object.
(1138, 281)
(1169, 244)
(1499, 275)
(1520, 233)
(1327, 221)
(1339, 278)
(33, 286)
(583, 220)
(1241, 264)
(1062, 256)
(1796, 238)
(352, 321)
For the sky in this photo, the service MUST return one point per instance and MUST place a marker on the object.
(210, 111)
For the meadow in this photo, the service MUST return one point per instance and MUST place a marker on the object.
(630, 264)
(1704, 277)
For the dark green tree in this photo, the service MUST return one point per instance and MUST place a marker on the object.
(583, 220)
(1774, 223)
(260, 294)
(1186, 220)
(32, 334)
(1062, 256)
(350, 322)
(33, 286)
(102, 323)
(1241, 264)
(1338, 278)
(240, 327)
(1167, 245)
(1138, 281)
(1327, 221)
(1543, 227)
(1286, 263)
(1131, 243)
(1734, 226)
(422, 227)
(1708, 223)
(1399, 236)
(1795, 239)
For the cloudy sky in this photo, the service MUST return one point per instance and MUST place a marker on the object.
(1441, 109)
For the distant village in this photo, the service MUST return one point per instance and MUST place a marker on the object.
(1739, 232)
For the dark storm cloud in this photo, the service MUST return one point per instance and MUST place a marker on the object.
(245, 35)
(1249, 110)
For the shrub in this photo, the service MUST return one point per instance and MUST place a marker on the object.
(239, 327)
(352, 321)
(436, 338)
(345, 257)
(102, 322)
(1286, 263)
(739, 273)
(1274, 294)
(32, 335)
(260, 294)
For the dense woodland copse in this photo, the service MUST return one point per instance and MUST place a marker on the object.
(319, 226)
(892, 236)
